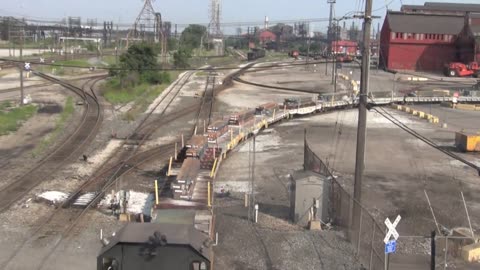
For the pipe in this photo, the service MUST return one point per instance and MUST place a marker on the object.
(209, 194)
(156, 191)
(170, 167)
(213, 168)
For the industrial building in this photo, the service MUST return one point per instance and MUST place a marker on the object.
(428, 37)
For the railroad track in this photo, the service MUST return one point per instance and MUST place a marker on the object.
(68, 149)
(63, 220)
(12, 63)
(17, 89)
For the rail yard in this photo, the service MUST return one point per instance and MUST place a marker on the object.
(264, 150)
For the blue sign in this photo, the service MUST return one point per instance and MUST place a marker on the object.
(390, 246)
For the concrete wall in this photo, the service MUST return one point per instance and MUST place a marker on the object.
(169, 257)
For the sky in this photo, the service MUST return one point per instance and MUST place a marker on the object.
(196, 11)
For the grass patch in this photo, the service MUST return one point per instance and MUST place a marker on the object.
(74, 62)
(201, 73)
(109, 59)
(59, 127)
(275, 56)
(11, 118)
(142, 95)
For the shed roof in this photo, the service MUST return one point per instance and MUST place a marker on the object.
(176, 234)
(448, 7)
(303, 176)
(425, 23)
(453, 6)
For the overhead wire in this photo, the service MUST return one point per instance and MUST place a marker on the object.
(404, 127)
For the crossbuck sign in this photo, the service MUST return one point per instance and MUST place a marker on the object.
(391, 229)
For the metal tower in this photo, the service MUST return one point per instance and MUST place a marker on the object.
(146, 26)
(214, 29)
(215, 35)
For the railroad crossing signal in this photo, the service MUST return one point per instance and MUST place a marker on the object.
(27, 66)
(391, 229)
(391, 246)
(42, 60)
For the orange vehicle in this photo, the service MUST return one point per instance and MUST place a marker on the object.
(457, 69)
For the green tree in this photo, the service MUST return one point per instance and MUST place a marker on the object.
(140, 58)
(180, 58)
(192, 36)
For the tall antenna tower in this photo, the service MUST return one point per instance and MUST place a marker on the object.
(215, 34)
(145, 27)
(148, 27)
(214, 29)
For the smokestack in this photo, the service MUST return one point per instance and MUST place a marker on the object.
(266, 22)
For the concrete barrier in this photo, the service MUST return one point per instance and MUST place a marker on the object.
(414, 112)
(467, 107)
(412, 79)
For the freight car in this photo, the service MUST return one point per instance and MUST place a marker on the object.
(196, 146)
(216, 130)
(255, 54)
(186, 179)
(298, 102)
(266, 108)
(241, 117)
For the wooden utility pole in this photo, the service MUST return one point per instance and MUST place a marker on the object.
(21, 68)
(362, 121)
(329, 40)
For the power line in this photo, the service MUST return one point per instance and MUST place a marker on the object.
(412, 132)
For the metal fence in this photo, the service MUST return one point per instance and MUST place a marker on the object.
(368, 237)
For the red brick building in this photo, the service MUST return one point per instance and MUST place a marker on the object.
(419, 41)
(427, 37)
(267, 36)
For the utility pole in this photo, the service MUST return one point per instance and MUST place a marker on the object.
(432, 250)
(334, 47)
(362, 121)
(21, 68)
(329, 48)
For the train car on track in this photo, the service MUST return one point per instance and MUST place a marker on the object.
(255, 54)
(216, 130)
(266, 108)
(186, 178)
(196, 146)
(298, 102)
(237, 119)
